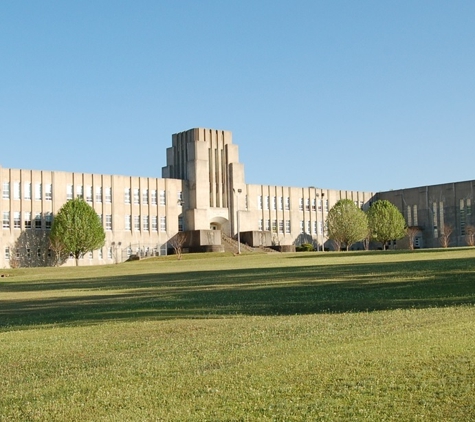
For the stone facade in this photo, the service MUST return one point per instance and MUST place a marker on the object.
(202, 190)
(435, 210)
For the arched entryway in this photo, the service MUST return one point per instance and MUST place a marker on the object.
(221, 223)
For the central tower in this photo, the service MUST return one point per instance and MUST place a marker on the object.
(209, 163)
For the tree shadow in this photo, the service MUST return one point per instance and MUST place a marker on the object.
(252, 291)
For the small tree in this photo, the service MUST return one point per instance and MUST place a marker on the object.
(77, 228)
(470, 235)
(386, 222)
(346, 223)
(177, 242)
(59, 253)
(445, 236)
(411, 235)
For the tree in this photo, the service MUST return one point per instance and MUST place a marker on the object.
(177, 242)
(470, 235)
(78, 228)
(346, 223)
(445, 236)
(412, 232)
(386, 222)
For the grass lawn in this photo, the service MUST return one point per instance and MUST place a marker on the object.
(308, 336)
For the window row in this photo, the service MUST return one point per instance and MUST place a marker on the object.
(111, 251)
(273, 203)
(315, 204)
(145, 223)
(38, 221)
(277, 226)
(101, 194)
(281, 203)
(42, 191)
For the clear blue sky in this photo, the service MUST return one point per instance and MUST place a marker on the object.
(364, 95)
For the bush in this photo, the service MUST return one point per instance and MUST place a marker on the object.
(305, 247)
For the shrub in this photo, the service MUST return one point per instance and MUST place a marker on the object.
(305, 247)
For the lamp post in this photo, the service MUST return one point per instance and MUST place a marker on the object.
(323, 225)
(316, 217)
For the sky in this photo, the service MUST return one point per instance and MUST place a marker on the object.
(351, 95)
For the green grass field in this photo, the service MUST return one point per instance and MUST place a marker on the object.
(286, 337)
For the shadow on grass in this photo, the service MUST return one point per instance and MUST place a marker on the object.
(257, 291)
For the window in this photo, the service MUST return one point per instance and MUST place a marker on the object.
(320, 227)
(145, 196)
(100, 253)
(38, 252)
(48, 220)
(307, 204)
(16, 190)
(128, 222)
(89, 193)
(27, 220)
(48, 192)
(260, 225)
(154, 223)
(28, 191)
(108, 195)
(314, 204)
(99, 194)
(301, 204)
(127, 195)
(180, 223)
(16, 220)
(434, 219)
(274, 203)
(326, 205)
(163, 198)
(302, 226)
(287, 203)
(109, 253)
(69, 192)
(180, 198)
(108, 222)
(145, 222)
(315, 227)
(38, 191)
(281, 226)
(274, 226)
(7, 253)
(38, 221)
(259, 202)
(281, 203)
(137, 222)
(6, 219)
(267, 225)
(79, 191)
(266, 202)
(441, 216)
(287, 226)
(153, 197)
(136, 196)
(409, 216)
(28, 252)
(414, 215)
(319, 202)
(6, 190)
(309, 227)
(462, 218)
(469, 206)
(163, 224)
